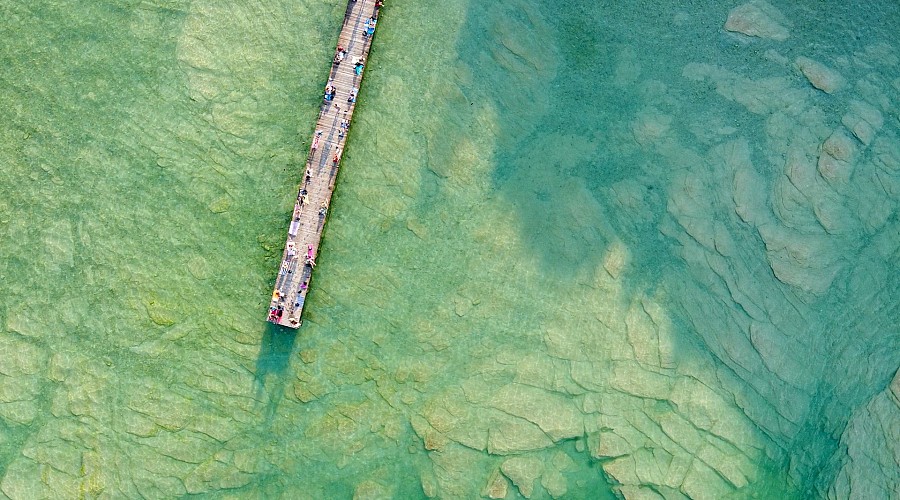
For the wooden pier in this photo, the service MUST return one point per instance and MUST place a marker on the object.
(322, 163)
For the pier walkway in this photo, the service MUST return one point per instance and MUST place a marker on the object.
(322, 163)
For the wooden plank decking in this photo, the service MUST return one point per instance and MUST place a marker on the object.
(314, 197)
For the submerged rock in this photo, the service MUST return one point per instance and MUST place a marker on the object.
(871, 442)
(555, 483)
(371, 490)
(820, 76)
(523, 471)
(759, 19)
(20, 381)
(458, 472)
(863, 120)
(554, 413)
(496, 487)
(650, 127)
(835, 163)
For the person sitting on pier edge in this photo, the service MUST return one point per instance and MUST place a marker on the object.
(315, 144)
(329, 93)
(276, 313)
(358, 66)
(340, 55)
(353, 92)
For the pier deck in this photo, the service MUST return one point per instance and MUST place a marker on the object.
(322, 163)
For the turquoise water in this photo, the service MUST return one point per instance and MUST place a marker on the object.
(576, 250)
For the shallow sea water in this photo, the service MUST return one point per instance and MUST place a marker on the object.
(577, 250)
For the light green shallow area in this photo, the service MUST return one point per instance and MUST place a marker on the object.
(577, 250)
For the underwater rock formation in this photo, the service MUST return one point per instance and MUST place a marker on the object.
(758, 18)
(820, 76)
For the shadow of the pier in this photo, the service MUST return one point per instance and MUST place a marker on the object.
(273, 366)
